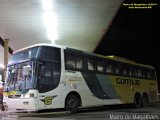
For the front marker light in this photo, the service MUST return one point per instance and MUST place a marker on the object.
(31, 95)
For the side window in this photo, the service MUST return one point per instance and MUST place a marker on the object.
(109, 68)
(118, 69)
(124, 71)
(51, 54)
(136, 72)
(70, 62)
(148, 75)
(143, 74)
(140, 73)
(100, 66)
(153, 77)
(73, 61)
(90, 64)
(79, 63)
(131, 72)
(48, 70)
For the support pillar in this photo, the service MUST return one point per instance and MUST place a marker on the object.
(6, 49)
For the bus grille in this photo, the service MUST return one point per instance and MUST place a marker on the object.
(14, 96)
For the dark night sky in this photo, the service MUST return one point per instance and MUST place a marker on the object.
(134, 34)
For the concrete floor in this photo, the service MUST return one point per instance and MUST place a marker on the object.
(152, 112)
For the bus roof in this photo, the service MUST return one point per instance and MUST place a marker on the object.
(125, 60)
(111, 57)
(115, 58)
(41, 44)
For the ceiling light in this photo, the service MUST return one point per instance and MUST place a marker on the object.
(50, 20)
(52, 35)
(47, 5)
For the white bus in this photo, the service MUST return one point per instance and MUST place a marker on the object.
(48, 77)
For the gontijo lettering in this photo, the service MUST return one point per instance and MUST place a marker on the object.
(125, 81)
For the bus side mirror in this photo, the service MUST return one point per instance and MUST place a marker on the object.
(42, 70)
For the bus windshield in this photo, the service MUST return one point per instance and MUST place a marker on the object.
(20, 76)
(24, 55)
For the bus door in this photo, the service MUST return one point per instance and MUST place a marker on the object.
(45, 86)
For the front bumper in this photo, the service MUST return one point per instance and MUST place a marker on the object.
(20, 104)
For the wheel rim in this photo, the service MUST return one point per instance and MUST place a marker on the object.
(72, 104)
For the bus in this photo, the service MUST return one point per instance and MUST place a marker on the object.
(46, 76)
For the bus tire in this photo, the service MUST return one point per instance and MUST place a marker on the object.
(137, 101)
(72, 103)
(145, 100)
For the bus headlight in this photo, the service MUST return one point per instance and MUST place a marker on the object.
(29, 95)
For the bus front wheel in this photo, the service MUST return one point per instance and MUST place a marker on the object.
(72, 103)
(137, 101)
